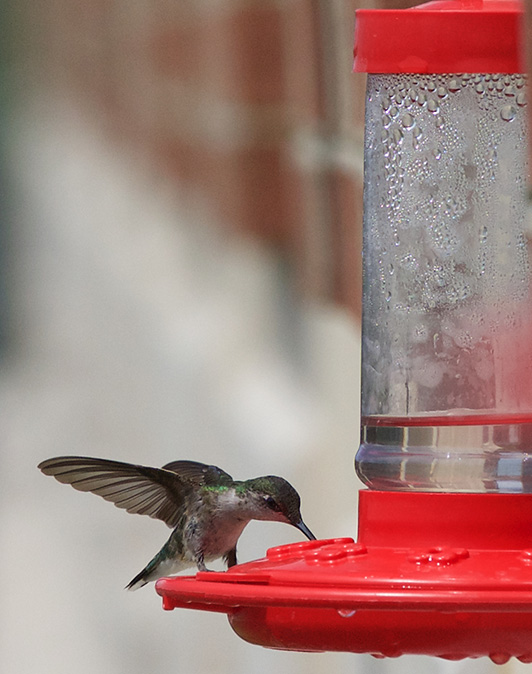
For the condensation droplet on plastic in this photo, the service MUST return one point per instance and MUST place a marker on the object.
(346, 612)
(521, 99)
(397, 135)
(508, 113)
(432, 106)
(441, 92)
(408, 120)
(420, 333)
(479, 88)
(399, 95)
(454, 86)
(409, 262)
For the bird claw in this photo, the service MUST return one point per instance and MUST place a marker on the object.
(201, 564)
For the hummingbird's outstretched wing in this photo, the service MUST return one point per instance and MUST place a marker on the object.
(200, 474)
(156, 492)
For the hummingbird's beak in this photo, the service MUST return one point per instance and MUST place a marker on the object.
(308, 533)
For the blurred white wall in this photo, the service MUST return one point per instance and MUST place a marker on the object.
(142, 336)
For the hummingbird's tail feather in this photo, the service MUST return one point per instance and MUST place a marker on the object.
(155, 569)
(163, 564)
(140, 580)
(159, 566)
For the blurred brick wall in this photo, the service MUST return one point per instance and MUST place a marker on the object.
(249, 106)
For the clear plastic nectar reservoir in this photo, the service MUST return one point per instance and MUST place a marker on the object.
(447, 318)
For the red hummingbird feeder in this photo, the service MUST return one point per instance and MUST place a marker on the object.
(443, 561)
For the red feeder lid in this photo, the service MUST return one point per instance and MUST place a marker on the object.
(439, 574)
(445, 36)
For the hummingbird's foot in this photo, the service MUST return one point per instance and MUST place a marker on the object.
(200, 563)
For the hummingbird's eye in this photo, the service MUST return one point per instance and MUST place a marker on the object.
(272, 503)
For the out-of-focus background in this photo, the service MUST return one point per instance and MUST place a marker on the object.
(180, 231)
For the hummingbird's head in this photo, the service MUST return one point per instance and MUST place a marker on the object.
(275, 499)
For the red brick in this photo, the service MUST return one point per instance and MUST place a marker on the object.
(244, 54)
(309, 244)
(247, 188)
(346, 206)
(235, 51)
(176, 51)
(185, 161)
(302, 65)
(265, 193)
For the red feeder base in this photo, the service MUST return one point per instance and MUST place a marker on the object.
(448, 575)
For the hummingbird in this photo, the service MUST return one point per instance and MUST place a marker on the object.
(204, 506)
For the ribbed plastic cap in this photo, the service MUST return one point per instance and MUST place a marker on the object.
(446, 36)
